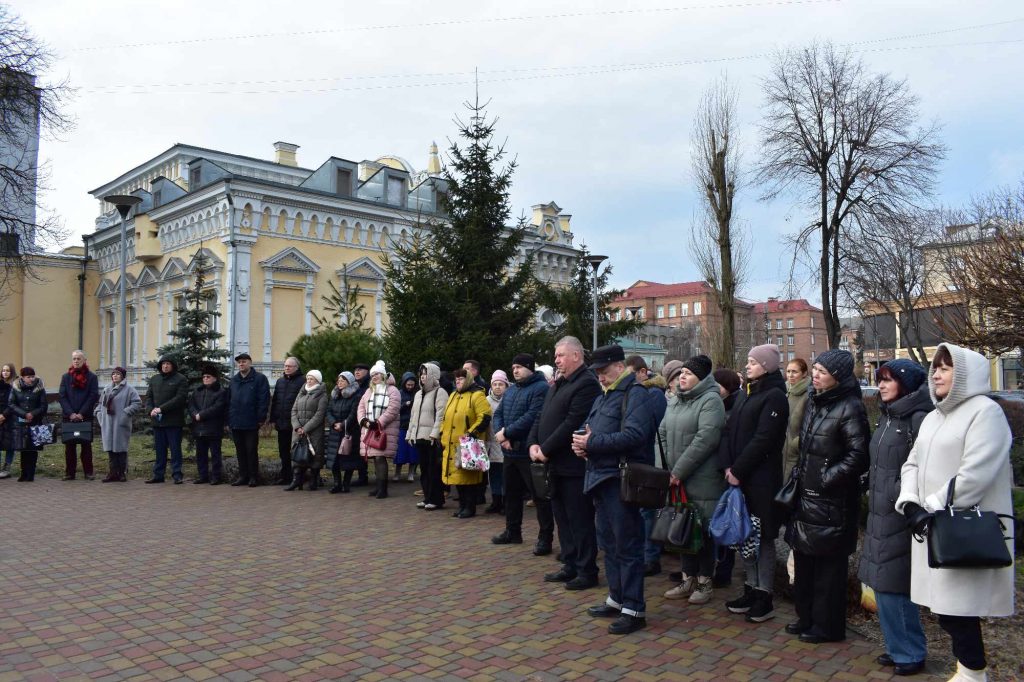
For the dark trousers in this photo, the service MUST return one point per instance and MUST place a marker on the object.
(518, 482)
(574, 516)
(207, 453)
(284, 451)
(703, 562)
(167, 438)
(28, 465)
(965, 631)
(71, 459)
(247, 443)
(819, 593)
(430, 472)
(620, 531)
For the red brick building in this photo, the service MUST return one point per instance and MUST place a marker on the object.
(795, 326)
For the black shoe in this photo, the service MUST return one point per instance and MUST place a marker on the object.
(542, 548)
(155, 480)
(884, 659)
(814, 638)
(798, 628)
(653, 568)
(581, 583)
(177, 480)
(559, 576)
(623, 625)
(200, 481)
(466, 514)
(507, 537)
(253, 482)
(742, 603)
(238, 481)
(603, 611)
(908, 668)
(215, 481)
(336, 489)
(762, 609)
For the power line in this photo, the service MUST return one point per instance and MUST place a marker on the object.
(454, 22)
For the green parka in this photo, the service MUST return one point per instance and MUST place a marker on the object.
(797, 395)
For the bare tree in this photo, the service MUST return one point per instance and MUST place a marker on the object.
(846, 142)
(28, 109)
(716, 242)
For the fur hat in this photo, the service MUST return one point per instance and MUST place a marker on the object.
(767, 355)
(700, 365)
(839, 363)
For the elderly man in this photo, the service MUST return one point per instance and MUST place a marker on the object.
(565, 409)
(248, 400)
(165, 402)
(621, 426)
(286, 389)
(79, 393)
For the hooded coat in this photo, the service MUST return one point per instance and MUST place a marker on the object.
(26, 399)
(691, 431)
(169, 392)
(407, 397)
(427, 407)
(797, 396)
(467, 411)
(885, 555)
(309, 412)
(116, 423)
(387, 420)
(833, 455)
(966, 437)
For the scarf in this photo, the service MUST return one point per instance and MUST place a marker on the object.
(111, 394)
(80, 376)
(379, 400)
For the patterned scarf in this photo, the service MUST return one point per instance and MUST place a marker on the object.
(379, 401)
(80, 376)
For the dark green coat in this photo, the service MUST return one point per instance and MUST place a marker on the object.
(169, 392)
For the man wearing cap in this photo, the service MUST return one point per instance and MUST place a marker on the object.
(248, 400)
(208, 407)
(516, 414)
(165, 404)
(286, 389)
(621, 427)
(565, 409)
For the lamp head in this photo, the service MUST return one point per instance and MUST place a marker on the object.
(124, 203)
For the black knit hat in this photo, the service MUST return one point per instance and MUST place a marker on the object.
(839, 363)
(700, 365)
(728, 379)
(524, 360)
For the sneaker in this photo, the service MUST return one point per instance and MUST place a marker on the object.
(5, 473)
(421, 505)
(701, 592)
(742, 603)
(683, 590)
(762, 609)
(430, 507)
(411, 478)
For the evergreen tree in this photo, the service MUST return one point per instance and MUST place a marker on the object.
(456, 292)
(344, 311)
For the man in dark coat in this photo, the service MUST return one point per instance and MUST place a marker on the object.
(512, 422)
(248, 400)
(208, 407)
(165, 403)
(361, 371)
(79, 393)
(622, 426)
(285, 391)
(565, 409)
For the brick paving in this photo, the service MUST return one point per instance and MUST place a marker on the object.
(137, 582)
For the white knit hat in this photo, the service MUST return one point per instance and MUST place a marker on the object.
(378, 368)
(315, 373)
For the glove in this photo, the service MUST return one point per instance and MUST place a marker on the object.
(917, 518)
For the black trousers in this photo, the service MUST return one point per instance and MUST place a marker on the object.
(28, 465)
(284, 451)
(517, 482)
(247, 443)
(819, 593)
(430, 472)
(968, 646)
(574, 515)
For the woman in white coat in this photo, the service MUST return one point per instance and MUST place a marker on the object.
(967, 438)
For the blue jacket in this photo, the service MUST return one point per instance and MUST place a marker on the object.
(518, 411)
(622, 431)
(248, 400)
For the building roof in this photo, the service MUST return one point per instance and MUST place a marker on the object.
(792, 305)
(644, 289)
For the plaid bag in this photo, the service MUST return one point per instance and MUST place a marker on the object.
(749, 547)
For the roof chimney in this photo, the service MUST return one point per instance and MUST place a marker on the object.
(284, 154)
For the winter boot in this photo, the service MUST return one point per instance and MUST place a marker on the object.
(497, 505)
(742, 603)
(965, 674)
(337, 483)
(297, 481)
(382, 490)
(762, 608)
(112, 469)
(314, 479)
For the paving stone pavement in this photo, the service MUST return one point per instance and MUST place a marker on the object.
(140, 582)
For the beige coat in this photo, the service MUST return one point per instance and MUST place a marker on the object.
(427, 407)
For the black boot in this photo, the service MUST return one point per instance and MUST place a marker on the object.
(382, 488)
(314, 479)
(337, 483)
(297, 481)
(497, 505)
(346, 482)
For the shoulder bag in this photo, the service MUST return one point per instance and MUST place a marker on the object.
(641, 484)
(376, 437)
(345, 444)
(967, 538)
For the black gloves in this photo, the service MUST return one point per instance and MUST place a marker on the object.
(917, 518)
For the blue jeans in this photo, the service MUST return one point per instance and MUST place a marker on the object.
(652, 550)
(165, 437)
(9, 458)
(496, 476)
(620, 530)
(900, 620)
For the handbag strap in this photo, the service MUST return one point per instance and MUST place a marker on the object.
(949, 495)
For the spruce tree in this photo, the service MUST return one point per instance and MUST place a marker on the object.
(456, 291)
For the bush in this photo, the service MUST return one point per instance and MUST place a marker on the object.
(1014, 410)
(334, 350)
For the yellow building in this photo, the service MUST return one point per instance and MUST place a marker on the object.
(275, 234)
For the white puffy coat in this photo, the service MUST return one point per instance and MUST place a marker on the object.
(966, 436)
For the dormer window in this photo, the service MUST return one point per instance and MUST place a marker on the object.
(344, 182)
(194, 178)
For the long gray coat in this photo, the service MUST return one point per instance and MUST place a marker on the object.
(116, 428)
(309, 411)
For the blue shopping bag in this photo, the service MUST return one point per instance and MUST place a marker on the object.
(730, 525)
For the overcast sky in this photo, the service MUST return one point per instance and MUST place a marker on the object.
(595, 98)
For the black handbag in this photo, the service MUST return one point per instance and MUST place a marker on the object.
(76, 432)
(640, 484)
(540, 475)
(301, 452)
(967, 538)
(785, 499)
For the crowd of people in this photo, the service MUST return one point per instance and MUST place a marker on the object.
(558, 440)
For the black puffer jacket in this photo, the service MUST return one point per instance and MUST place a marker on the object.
(342, 409)
(833, 455)
(286, 388)
(885, 557)
(752, 443)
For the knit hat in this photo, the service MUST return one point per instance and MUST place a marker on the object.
(700, 365)
(315, 373)
(499, 375)
(727, 379)
(839, 363)
(378, 368)
(349, 377)
(767, 355)
(907, 373)
(547, 370)
(524, 360)
(671, 370)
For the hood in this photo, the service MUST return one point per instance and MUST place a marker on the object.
(799, 388)
(167, 358)
(706, 384)
(433, 376)
(657, 381)
(35, 387)
(469, 387)
(971, 376)
(407, 376)
(918, 401)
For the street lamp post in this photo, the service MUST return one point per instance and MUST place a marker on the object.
(124, 203)
(595, 263)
